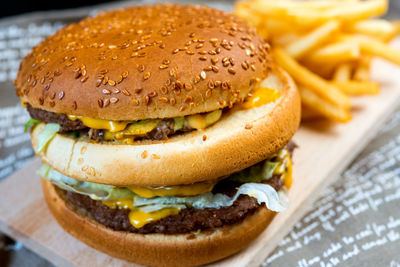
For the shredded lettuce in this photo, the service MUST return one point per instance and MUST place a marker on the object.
(31, 122)
(262, 192)
(178, 123)
(256, 173)
(45, 136)
(93, 190)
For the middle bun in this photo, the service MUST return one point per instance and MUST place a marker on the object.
(226, 147)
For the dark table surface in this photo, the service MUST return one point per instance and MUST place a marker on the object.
(356, 222)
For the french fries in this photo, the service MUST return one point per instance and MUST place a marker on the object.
(305, 77)
(326, 46)
(312, 40)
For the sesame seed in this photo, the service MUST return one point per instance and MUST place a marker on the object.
(203, 58)
(126, 92)
(100, 103)
(61, 95)
(98, 82)
(172, 101)
(179, 84)
(188, 86)
(52, 103)
(163, 99)
(146, 100)
(211, 84)
(119, 79)
(208, 93)
(207, 68)
(253, 68)
(106, 102)
(144, 154)
(116, 91)
(189, 52)
(53, 95)
(111, 82)
(175, 51)
(125, 74)
(84, 79)
(248, 126)
(74, 105)
(155, 156)
(188, 99)
(141, 68)
(204, 137)
(203, 75)
(134, 101)
(41, 100)
(152, 94)
(214, 60)
(217, 83)
(166, 62)
(215, 69)
(199, 46)
(245, 66)
(163, 66)
(146, 76)
(182, 108)
(47, 87)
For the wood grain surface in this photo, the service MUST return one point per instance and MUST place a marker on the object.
(325, 149)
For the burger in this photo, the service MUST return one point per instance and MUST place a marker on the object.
(164, 132)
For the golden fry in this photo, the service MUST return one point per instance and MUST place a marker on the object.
(305, 77)
(310, 41)
(322, 106)
(335, 53)
(343, 73)
(356, 88)
(362, 72)
(327, 47)
(378, 28)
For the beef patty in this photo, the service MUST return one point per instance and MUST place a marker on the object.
(163, 130)
(187, 220)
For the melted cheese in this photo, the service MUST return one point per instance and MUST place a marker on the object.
(112, 126)
(137, 217)
(176, 190)
(285, 168)
(261, 96)
(23, 104)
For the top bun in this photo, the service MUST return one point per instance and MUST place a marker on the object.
(144, 62)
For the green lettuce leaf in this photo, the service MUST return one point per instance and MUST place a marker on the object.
(256, 173)
(45, 136)
(31, 122)
(262, 192)
(93, 190)
(178, 123)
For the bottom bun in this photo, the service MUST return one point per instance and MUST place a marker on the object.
(157, 249)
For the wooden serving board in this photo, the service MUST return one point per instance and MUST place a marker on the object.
(325, 149)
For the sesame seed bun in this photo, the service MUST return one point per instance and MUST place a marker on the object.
(157, 249)
(240, 139)
(159, 61)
